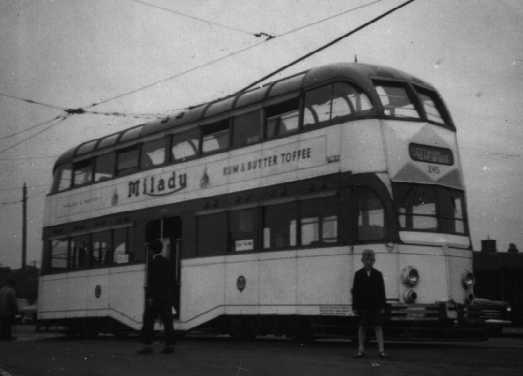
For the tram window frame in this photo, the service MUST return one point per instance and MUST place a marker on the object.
(276, 112)
(241, 126)
(80, 261)
(51, 253)
(87, 164)
(104, 258)
(110, 163)
(213, 223)
(239, 237)
(128, 251)
(290, 230)
(438, 106)
(358, 192)
(128, 170)
(410, 95)
(159, 143)
(444, 196)
(319, 211)
(214, 128)
(191, 136)
(58, 178)
(315, 93)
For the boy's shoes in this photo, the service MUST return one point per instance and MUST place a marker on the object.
(359, 354)
(383, 355)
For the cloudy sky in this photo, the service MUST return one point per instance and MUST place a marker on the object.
(71, 53)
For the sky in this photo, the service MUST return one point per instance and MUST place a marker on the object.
(71, 53)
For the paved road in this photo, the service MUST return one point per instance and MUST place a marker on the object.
(46, 354)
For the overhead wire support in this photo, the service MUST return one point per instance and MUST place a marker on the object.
(326, 45)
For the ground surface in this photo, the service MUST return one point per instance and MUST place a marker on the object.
(49, 354)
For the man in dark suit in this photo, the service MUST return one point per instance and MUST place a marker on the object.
(158, 300)
(368, 301)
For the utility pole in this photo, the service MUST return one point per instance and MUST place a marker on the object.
(24, 225)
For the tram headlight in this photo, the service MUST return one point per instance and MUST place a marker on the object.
(410, 276)
(468, 280)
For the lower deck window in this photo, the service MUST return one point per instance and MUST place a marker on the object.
(212, 234)
(243, 229)
(121, 249)
(371, 216)
(280, 225)
(97, 249)
(102, 244)
(80, 252)
(59, 249)
(423, 207)
(319, 221)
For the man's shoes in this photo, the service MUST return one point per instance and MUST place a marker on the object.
(168, 350)
(383, 355)
(146, 350)
(359, 354)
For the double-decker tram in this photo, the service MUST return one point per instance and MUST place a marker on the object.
(266, 200)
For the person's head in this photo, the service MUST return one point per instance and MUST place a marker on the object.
(368, 258)
(156, 246)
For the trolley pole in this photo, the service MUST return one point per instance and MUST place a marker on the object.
(24, 225)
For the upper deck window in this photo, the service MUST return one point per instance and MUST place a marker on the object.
(247, 128)
(431, 105)
(396, 100)
(86, 147)
(282, 118)
(62, 178)
(108, 141)
(131, 134)
(82, 173)
(317, 109)
(215, 136)
(104, 167)
(185, 145)
(153, 153)
(334, 103)
(127, 160)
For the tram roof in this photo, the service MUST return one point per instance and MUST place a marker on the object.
(359, 74)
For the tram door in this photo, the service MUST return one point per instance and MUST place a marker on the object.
(169, 230)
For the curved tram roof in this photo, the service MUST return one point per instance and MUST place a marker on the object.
(359, 74)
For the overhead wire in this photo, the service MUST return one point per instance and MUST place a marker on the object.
(269, 37)
(327, 45)
(30, 128)
(209, 22)
(321, 20)
(87, 109)
(32, 101)
(56, 121)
